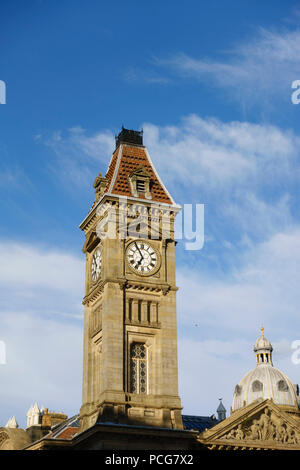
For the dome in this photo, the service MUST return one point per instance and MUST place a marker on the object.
(262, 343)
(265, 381)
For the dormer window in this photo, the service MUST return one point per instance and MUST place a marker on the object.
(140, 183)
(140, 186)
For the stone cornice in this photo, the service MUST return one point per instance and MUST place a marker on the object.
(130, 200)
(144, 286)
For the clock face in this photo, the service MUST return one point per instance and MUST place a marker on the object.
(96, 264)
(142, 257)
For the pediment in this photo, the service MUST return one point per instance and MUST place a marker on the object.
(259, 425)
(140, 172)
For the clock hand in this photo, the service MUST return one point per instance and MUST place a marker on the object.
(139, 252)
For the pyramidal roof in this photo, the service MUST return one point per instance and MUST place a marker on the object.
(12, 423)
(221, 407)
(132, 156)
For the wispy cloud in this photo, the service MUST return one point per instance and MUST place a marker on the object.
(211, 152)
(80, 156)
(135, 75)
(245, 171)
(247, 174)
(266, 64)
(14, 178)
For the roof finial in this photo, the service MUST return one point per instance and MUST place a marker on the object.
(262, 331)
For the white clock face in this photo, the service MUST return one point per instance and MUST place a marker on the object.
(96, 264)
(142, 257)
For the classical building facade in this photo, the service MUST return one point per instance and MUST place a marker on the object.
(265, 411)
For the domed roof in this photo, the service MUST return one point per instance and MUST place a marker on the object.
(265, 381)
(262, 343)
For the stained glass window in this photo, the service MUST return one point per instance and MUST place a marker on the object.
(138, 368)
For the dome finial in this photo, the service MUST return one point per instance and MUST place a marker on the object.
(263, 349)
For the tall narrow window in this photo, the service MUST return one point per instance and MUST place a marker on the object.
(138, 368)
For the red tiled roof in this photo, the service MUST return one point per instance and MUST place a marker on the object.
(133, 157)
(67, 433)
(111, 168)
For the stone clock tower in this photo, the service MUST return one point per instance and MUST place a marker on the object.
(130, 329)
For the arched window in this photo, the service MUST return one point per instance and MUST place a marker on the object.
(261, 358)
(138, 368)
(257, 386)
(282, 386)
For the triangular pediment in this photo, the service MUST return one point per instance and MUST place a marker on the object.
(140, 172)
(259, 425)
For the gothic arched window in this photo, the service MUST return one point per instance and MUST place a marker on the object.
(138, 368)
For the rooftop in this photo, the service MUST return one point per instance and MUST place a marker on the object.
(129, 136)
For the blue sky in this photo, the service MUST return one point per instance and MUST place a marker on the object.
(210, 83)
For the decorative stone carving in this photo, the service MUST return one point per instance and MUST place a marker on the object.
(267, 427)
(100, 186)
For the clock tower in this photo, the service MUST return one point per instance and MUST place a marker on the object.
(130, 329)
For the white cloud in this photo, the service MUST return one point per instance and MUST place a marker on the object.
(43, 364)
(13, 178)
(96, 146)
(219, 320)
(199, 153)
(262, 287)
(210, 152)
(243, 172)
(134, 75)
(265, 65)
(41, 323)
(209, 370)
(256, 217)
(80, 157)
(28, 266)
